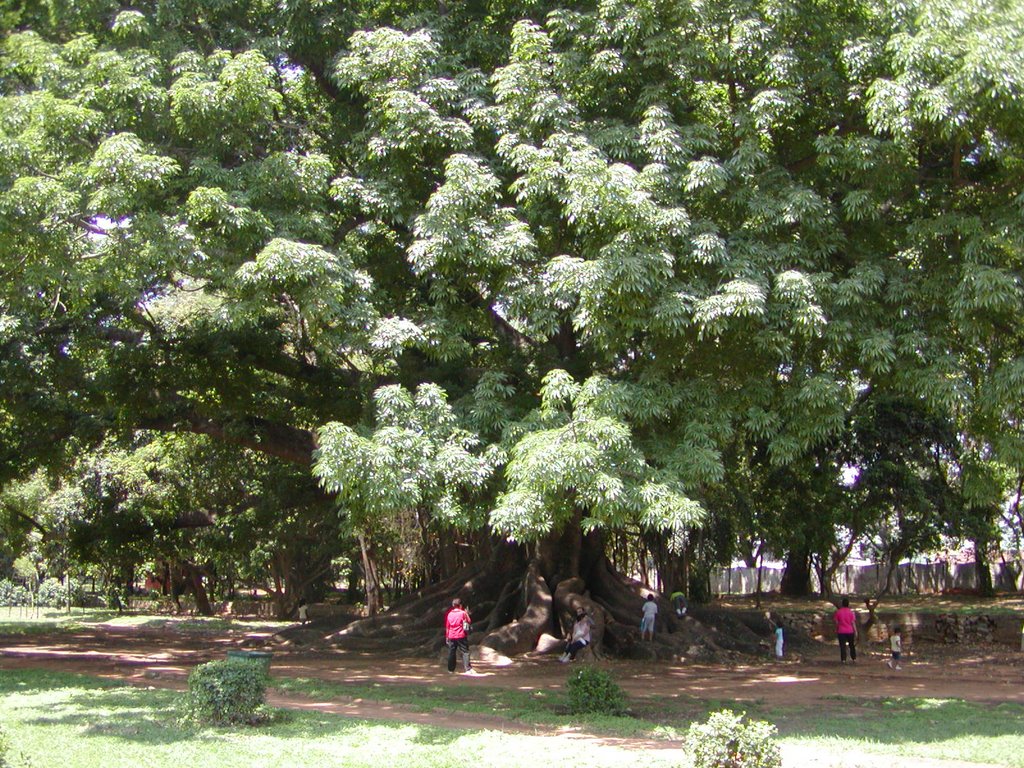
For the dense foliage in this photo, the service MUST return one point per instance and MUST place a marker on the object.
(226, 692)
(726, 740)
(731, 277)
(592, 690)
(49, 593)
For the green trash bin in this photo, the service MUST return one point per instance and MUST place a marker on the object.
(257, 657)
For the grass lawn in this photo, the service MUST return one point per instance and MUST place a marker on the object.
(929, 728)
(934, 728)
(30, 621)
(68, 721)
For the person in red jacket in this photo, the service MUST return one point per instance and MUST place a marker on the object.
(846, 631)
(456, 635)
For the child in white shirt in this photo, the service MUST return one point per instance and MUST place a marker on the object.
(650, 611)
(896, 646)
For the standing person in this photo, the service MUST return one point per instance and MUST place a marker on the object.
(580, 636)
(303, 611)
(846, 631)
(650, 610)
(778, 640)
(456, 635)
(896, 646)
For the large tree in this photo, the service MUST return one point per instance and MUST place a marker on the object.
(531, 266)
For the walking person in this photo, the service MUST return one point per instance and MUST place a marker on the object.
(579, 637)
(846, 631)
(456, 635)
(896, 647)
(650, 611)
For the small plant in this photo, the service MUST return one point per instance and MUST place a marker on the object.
(226, 692)
(593, 690)
(726, 741)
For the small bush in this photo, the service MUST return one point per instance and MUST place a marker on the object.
(51, 593)
(725, 741)
(226, 692)
(54, 593)
(593, 690)
(13, 595)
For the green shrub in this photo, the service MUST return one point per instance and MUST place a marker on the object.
(54, 593)
(13, 595)
(593, 690)
(725, 741)
(51, 593)
(225, 692)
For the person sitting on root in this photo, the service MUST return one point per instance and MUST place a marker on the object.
(579, 638)
(679, 603)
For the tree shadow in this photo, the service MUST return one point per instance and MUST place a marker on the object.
(436, 736)
(154, 717)
(137, 715)
(309, 725)
(40, 680)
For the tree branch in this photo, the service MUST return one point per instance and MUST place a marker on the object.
(503, 327)
(282, 441)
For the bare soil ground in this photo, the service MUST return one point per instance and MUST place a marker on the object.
(812, 678)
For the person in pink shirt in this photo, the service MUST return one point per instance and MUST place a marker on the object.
(846, 631)
(456, 635)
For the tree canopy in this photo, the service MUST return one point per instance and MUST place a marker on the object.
(524, 266)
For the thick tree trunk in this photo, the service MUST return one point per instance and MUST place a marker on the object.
(760, 570)
(373, 597)
(982, 570)
(193, 582)
(669, 564)
(521, 635)
(796, 578)
(279, 572)
(522, 601)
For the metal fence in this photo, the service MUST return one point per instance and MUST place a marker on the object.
(908, 578)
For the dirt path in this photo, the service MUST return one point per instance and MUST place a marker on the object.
(983, 675)
(814, 679)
